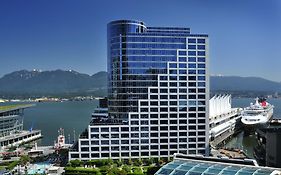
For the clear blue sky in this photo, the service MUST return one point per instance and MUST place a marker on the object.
(245, 35)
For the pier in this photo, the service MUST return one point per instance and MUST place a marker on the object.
(224, 120)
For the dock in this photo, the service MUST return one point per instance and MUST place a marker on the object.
(224, 121)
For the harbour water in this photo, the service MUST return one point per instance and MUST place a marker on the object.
(246, 142)
(74, 117)
(49, 117)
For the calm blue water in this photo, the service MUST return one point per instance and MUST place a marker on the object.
(243, 102)
(75, 115)
(50, 116)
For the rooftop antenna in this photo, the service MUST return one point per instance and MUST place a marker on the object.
(74, 137)
(69, 139)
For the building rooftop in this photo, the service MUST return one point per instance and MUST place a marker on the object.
(7, 108)
(206, 166)
(273, 126)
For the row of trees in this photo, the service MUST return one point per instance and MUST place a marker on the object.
(118, 163)
(118, 167)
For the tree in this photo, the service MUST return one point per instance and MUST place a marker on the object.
(137, 162)
(103, 169)
(101, 162)
(91, 162)
(12, 165)
(152, 170)
(137, 171)
(109, 161)
(76, 163)
(24, 159)
(149, 161)
(155, 160)
(126, 168)
(130, 162)
(119, 163)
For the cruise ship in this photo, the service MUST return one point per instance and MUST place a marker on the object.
(257, 114)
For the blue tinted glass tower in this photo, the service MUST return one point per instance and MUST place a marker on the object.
(138, 54)
(158, 95)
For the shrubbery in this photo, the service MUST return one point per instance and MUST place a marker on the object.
(117, 167)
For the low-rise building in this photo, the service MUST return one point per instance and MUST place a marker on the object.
(269, 142)
(199, 165)
(11, 126)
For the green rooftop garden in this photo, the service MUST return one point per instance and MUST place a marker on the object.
(12, 107)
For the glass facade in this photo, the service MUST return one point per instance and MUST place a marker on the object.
(183, 167)
(158, 95)
(138, 54)
(11, 122)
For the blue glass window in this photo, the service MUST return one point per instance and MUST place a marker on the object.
(201, 65)
(173, 65)
(163, 84)
(173, 103)
(191, 84)
(182, 52)
(173, 77)
(183, 84)
(191, 40)
(163, 78)
(201, 59)
(192, 96)
(201, 47)
(192, 90)
(181, 65)
(200, 40)
(191, 65)
(154, 90)
(201, 84)
(183, 97)
(201, 78)
(201, 72)
(183, 103)
(191, 59)
(182, 77)
(201, 91)
(191, 103)
(191, 46)
(182, 71)
(191, 77)
(182, 59)
(173, 84)
(181, 90)
(173, 71)
(201, 53)
(191, 71)
(191, 53)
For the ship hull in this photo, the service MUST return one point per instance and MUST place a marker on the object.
(254, 122)
(251, 129)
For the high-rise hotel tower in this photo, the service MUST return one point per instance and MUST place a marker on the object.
(158, 95)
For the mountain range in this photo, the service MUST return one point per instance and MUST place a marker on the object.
(55, 82)
(36, 83)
